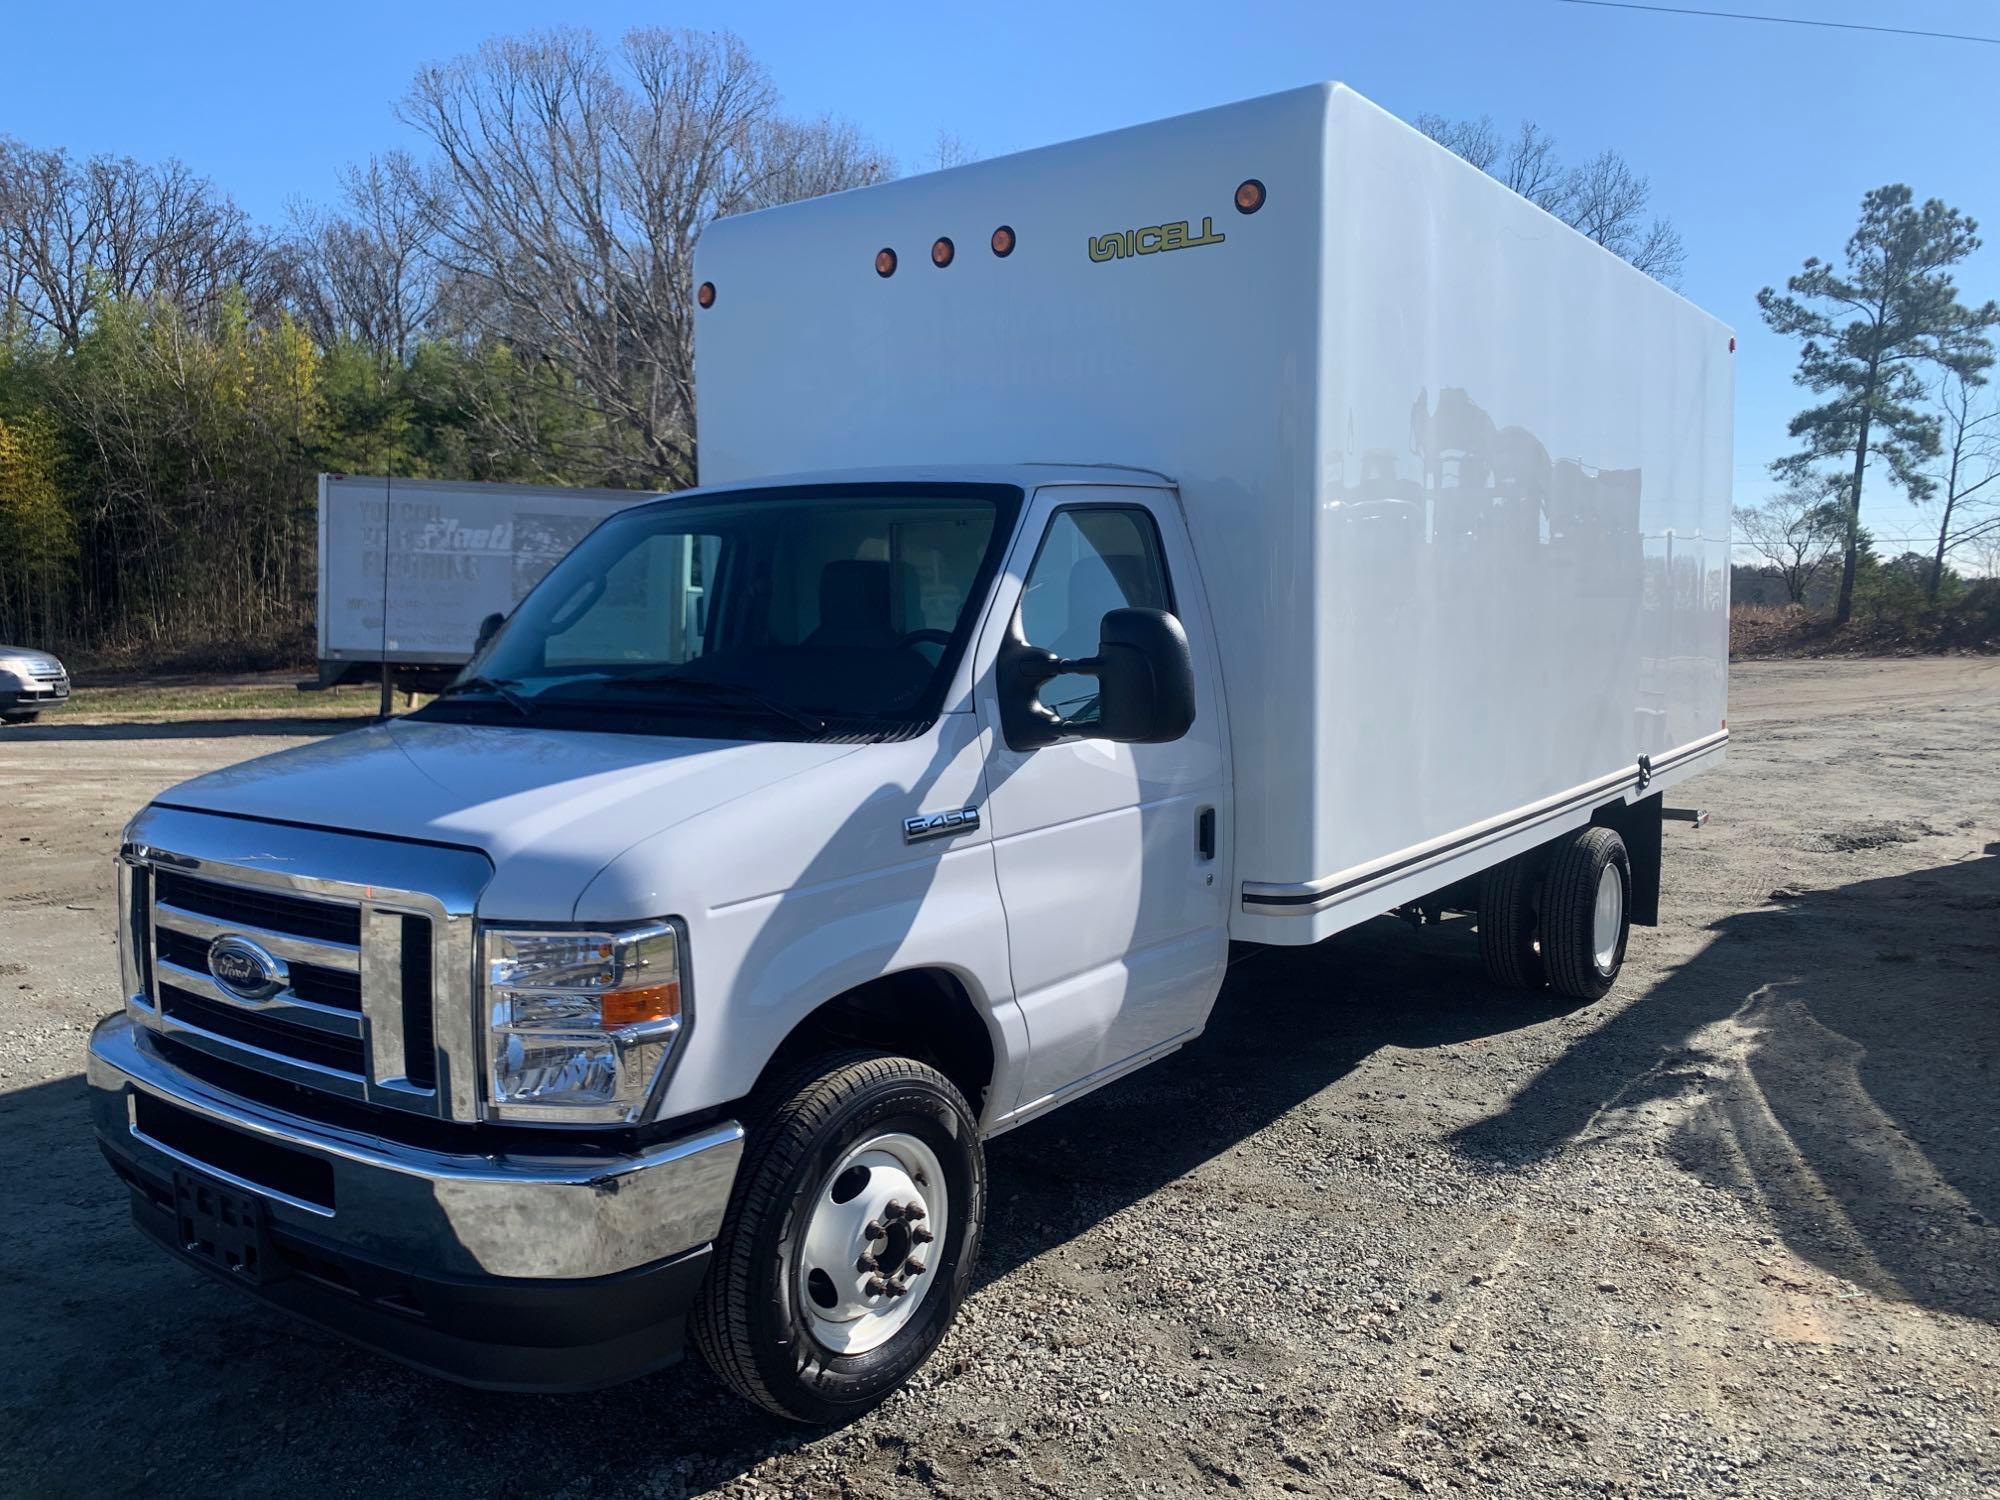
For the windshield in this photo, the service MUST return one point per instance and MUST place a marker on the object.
(789, 613)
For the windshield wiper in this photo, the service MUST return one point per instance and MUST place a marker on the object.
(500, 687)
(721, 692)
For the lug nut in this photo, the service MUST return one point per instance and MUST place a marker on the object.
(921, 1236)
(894, 1210)
(914, 1212)
(872, 1230)
(913, 1267)
(898, 1287)
(868, 1263)
(875, 1286)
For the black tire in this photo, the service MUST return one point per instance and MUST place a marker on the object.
(1577, 864)
(1507, 925)
(26, 718)
(745, 1320)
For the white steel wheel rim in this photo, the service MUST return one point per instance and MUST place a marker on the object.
(870, 1251)
(1607, 921)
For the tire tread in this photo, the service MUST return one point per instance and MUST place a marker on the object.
(1569, 904)
(1506, 925)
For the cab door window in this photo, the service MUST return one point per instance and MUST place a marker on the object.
(1094, 559)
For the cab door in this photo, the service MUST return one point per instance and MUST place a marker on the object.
(1110, 857)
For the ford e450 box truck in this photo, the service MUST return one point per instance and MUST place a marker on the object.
(1230, 529)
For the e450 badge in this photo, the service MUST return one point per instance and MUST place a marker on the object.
(940, 825)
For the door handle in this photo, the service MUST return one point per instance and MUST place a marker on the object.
(1204, 833)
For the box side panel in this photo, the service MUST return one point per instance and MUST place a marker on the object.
(1523, 517)
(1139, 320)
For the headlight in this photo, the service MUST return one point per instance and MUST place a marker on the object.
(579, 1024)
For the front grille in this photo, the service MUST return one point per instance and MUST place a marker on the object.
(299, 915)
(332, 963)
(320, 1016)
(46, 671)
(323, 1049)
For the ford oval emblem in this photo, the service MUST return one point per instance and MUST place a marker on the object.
(246, 969)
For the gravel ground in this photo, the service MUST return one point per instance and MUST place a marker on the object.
(1383, 1231)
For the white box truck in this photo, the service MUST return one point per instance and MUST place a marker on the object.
(1236, 527)
(409, 568)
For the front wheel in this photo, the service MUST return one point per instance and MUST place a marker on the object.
(850, 1237)
(21, 718)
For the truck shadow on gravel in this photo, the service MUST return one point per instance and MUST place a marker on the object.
(1830, 1057)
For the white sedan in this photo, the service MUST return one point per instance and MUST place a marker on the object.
(30, 681)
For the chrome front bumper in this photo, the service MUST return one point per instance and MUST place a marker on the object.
(459, 1216)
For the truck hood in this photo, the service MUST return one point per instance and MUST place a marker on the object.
(549, 808)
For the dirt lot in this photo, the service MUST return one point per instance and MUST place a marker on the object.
(1383, 1231)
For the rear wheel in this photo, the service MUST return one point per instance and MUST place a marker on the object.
(1586, 912)
(1507, 925)
(850, 1236)
(22, 718)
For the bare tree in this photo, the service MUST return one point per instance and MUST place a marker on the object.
(369, 274)
(949, 150)
(73, 234)
(1797, 533)
(1526, 162)
(578, 184)
(1604, 199)
(1968, 471)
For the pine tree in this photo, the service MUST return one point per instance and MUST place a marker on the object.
(1868, 335)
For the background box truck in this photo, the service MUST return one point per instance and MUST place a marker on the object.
(409, 567)
(1237, 527)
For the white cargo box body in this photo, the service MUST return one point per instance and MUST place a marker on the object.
(457, 551)
(1458, 479)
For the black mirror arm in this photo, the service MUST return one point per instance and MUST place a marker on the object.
(1028, 723)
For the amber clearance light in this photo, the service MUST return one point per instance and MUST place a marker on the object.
(705, 294)
(1003, 241)
(1249, 196)
(942, 250)
(885, 263)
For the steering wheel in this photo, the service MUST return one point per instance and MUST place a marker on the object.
(925, 637)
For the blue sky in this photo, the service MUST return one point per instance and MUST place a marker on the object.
(1759, 139)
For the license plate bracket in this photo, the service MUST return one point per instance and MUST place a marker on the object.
(221, 1225)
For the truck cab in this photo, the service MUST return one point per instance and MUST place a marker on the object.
(441, 1029)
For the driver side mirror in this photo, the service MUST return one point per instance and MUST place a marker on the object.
(1145, 684)
(488, 628)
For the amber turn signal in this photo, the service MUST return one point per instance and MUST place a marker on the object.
(705, 294)
(885, 263)
(1003, 241)
(1249, 196)
(656, 1002)
(942, 251)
